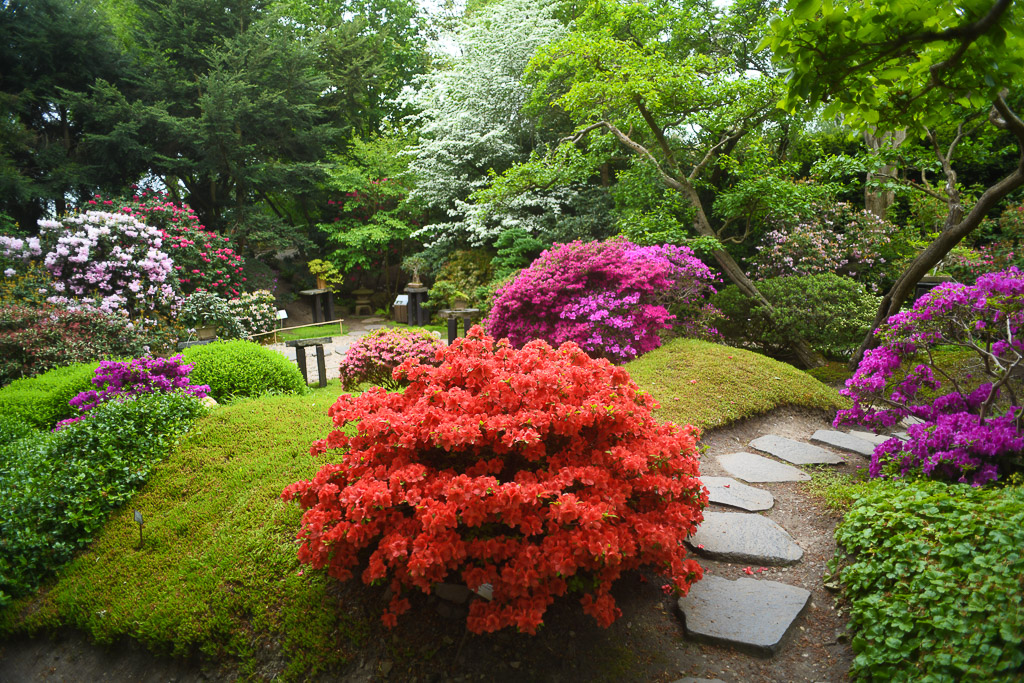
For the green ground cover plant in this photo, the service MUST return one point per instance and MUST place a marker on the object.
(58, 487)
(711, 385)
(240, 368)
(217, 571)
(42, 401)
(935, 578)
(328, 330)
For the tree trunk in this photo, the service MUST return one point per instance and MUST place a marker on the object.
(954, 230)
(804, 353)
(878, 202)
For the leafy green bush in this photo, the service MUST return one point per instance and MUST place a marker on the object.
(42, 401)
(242, 368)
(58, 486)
(831, 312)
(37, 338)
(466, 273)
(206, 308)
(935, 578)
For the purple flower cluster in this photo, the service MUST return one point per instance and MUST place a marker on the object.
(959, 439)
(373, 357)
(611, 298)
(114, 379)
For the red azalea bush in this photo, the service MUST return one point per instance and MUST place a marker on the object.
(374, 357)
(612, 298)
(538, 471)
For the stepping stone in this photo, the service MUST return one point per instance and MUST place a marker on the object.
(844, 441)
(796, 452)
(754, 468)
(877, 439)
(728, 491)
(748, 614)
(742, 537)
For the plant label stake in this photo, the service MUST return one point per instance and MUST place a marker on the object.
(138, 518)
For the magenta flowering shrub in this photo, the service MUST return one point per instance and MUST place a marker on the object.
(611, 298)
(109, 257)
(116, 379)
(373, 357)
(203, 261)
(969, 434)
(839, 239)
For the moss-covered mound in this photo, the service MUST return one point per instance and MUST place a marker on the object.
(710, 385)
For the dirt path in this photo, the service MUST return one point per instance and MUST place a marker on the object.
(648, 643)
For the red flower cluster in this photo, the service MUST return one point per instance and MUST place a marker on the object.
(538, 471)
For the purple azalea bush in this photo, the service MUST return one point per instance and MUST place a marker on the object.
(116, 379)
(611, 298)
(373, 357)
(962, 435)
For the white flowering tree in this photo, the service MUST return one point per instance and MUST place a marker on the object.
(470, 119)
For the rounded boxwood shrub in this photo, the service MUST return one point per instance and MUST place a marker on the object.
(373, 357)
(43, 401)
(525, 474)
(242, 368)
(832, 313)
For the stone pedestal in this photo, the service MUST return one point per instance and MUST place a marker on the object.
(323, 304)
(418, 314)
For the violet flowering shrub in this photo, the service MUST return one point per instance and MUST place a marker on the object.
(610, 298)
(373, 357)
(838, 239)
(118, 379)
(968, 433)
(112, 258)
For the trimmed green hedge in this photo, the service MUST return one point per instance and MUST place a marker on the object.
(242, 368)
(42, 401)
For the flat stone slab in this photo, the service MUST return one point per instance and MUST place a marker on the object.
(796, 452)
(877, 439)
(743, 537)
(755, 468)
(748, 614)
(728, 491)
(844, 441)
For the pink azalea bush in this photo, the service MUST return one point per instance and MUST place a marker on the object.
(963, 437)
(838, 239)
(373, 357)
(610, 298)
